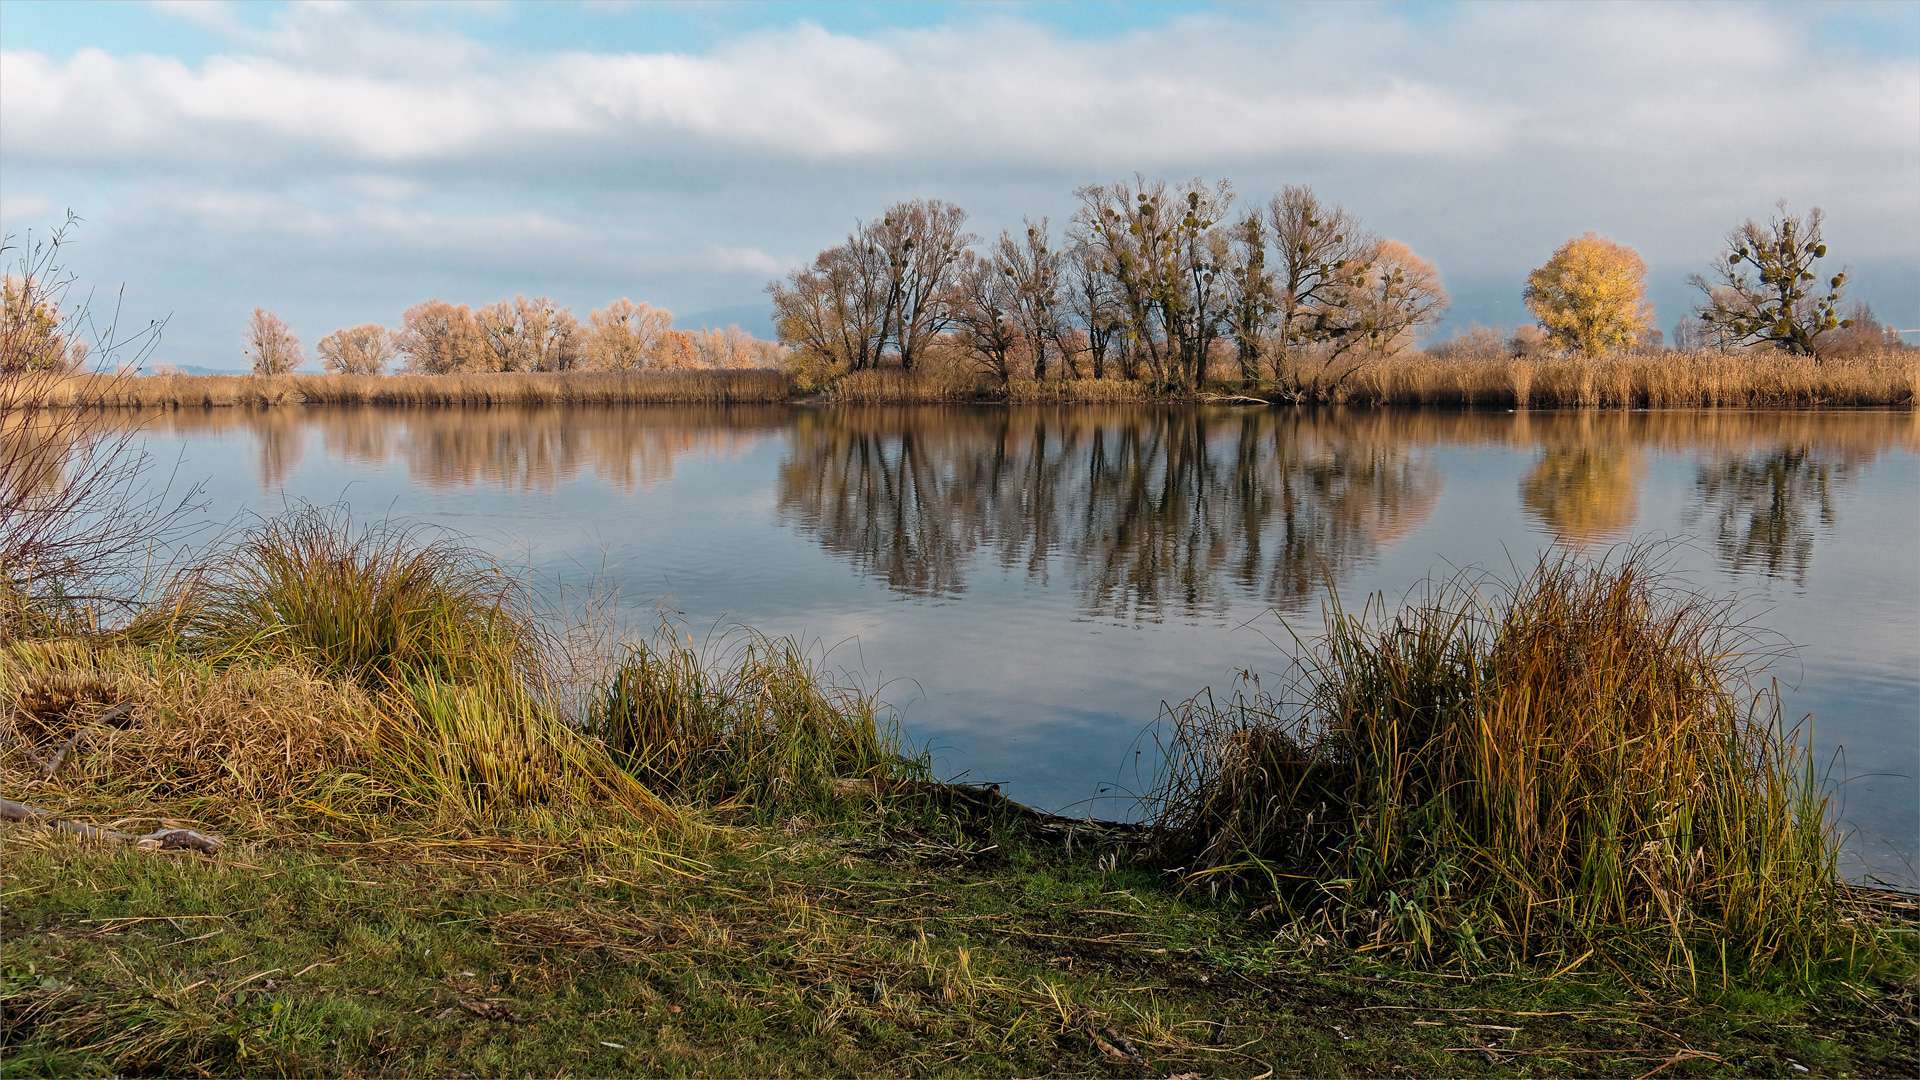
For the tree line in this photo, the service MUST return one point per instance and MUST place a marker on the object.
(1171, 283)
(438, 338)
(1149, 281)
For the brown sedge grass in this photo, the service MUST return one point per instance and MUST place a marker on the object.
(312, 680)
(1567, 762)
(746, 721)
(718, 387)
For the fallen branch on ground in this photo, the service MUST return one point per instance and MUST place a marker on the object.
(158, 840)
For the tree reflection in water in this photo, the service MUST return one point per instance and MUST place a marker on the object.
(1766, 505)
(1583, 493)
(1152, 511)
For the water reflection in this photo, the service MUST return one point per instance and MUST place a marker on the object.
(1150, 511)
(511, 448)
(1766, 507)
(1583, 492)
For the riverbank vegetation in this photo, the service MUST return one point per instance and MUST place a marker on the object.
(1543, 769)
(1475, 372)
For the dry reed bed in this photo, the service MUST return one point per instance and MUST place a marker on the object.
(1654, 380)
(1643, 381)
(508, 388)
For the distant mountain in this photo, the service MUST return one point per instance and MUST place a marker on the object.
(194, 369)
(755, 319)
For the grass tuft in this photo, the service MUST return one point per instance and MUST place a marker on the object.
(380, 606)
(1567, 763)
(754, 721)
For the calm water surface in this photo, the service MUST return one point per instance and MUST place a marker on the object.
(1031, 584)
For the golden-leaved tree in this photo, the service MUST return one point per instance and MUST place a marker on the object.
(438, 338)
(1590, 296)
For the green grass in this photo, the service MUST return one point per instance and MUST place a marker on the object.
(442, 867)
(822, 952)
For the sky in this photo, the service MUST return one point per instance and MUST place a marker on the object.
(338, 162)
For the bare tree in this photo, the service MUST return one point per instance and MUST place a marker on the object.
(1164, 256)
(985, 316)
(1399, 294)
(1094, 306)
(1775, 305)
(732, 349)
(625, 336)
(1322, 256)
(529, 335)
(270, 344)
(1033, 276)
(75, 518)
(834, 314)
(363, 350)
(921, 242)
(1251, 303)
(438, 338)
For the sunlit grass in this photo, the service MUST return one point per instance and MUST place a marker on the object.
(1529, 771)
(750, 719)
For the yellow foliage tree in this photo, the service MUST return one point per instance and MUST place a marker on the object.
(1589, 296)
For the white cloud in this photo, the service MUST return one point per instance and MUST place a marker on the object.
(750, 261)
(15, 207)
(1483, 136)
(327, 83)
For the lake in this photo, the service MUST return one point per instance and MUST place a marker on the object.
(1028, 585)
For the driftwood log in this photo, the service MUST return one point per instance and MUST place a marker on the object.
(158, 840)
(981, 807)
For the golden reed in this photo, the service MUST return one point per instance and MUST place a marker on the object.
(513, 388)
(1688, 380)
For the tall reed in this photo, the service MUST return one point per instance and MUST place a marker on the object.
(1571, 762)
(1671, 380)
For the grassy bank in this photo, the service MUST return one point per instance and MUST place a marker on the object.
(465, 838)
(1631, 381)
(855, 950)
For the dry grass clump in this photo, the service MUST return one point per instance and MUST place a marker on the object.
(724, 387)
(382, 606)
(315, 678)
(1565, 764)
(240, 745)
(753, 720)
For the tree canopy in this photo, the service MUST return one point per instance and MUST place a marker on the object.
(1589, 296)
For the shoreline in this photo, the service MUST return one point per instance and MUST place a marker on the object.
(1886, 379)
